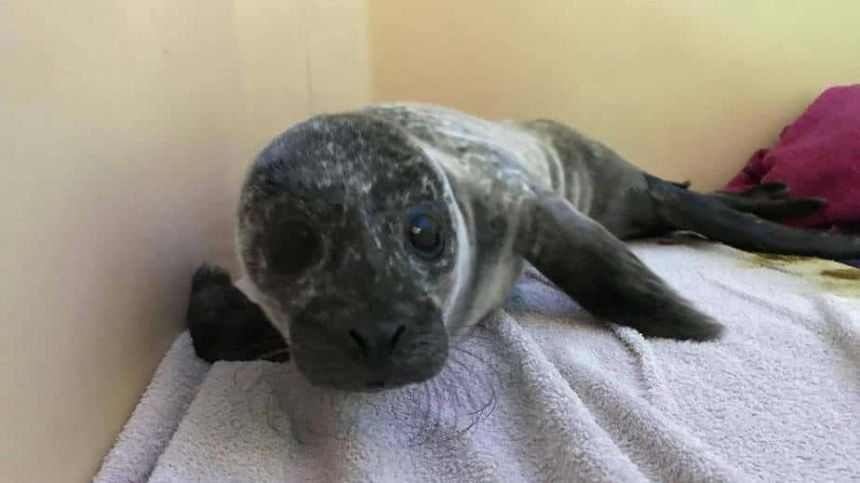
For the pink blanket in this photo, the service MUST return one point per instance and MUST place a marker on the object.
(817, 155)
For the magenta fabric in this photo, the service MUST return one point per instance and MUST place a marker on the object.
(817, 155)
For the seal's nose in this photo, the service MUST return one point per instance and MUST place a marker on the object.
(377, 341)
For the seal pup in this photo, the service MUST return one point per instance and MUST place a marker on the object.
(373, 239)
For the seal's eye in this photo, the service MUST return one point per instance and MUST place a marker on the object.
(292, 247)
(425, 236)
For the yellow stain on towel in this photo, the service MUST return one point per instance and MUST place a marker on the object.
(831, 276)
(842, 273)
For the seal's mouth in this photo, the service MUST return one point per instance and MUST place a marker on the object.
(368, 386)
(344, 368)
(372, 348)
(391, 379)
(375, 386)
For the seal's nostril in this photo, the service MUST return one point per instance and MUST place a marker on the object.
(396, 337)
(377, 341)
(359, 341)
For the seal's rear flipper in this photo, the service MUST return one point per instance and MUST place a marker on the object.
(603, 276)
(770, 201)
(687, 210)
(225, 325)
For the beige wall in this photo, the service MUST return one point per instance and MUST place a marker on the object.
(124, 129)
(686, 89)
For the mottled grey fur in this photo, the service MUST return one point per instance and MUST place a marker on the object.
(322, 235)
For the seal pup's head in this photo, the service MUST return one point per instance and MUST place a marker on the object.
(351, 236)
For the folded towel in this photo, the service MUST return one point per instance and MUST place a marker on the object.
(540, 392)
(817, 155)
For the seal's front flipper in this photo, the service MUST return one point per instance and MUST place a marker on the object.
(225, 325)
(603, 276)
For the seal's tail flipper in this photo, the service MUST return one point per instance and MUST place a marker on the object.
(770, 201)
(774, 210)
(717, 220)
(598, 271)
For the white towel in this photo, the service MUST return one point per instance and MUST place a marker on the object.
(539, 392)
